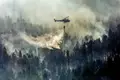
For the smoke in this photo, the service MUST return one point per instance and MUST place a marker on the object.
(87, 18)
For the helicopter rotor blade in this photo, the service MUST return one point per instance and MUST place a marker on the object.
(66, 17)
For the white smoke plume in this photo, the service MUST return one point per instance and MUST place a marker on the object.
(83, 15)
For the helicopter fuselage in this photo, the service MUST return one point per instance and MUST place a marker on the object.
(64, 20)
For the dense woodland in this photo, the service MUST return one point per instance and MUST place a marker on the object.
(93, 60)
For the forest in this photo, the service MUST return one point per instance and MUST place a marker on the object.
(93, 60)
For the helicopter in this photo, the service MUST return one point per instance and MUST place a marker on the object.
(65, 20)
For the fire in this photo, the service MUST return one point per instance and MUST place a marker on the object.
(45, 41)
